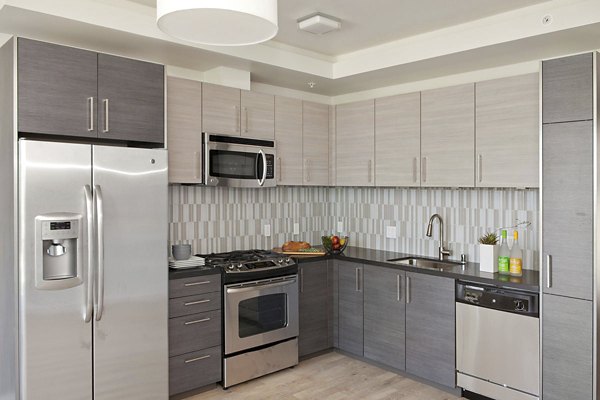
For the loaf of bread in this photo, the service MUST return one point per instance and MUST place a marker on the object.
(295, 246)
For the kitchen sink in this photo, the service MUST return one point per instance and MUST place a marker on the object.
(420, 262)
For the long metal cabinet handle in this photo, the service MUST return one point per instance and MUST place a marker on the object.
(407, 289)
(480, 167)
(301, 280)
(236, 109)
(263, 178)
(197, 359)
(358, 283)
(414, 169)
(279, 174)
(99, 202)
(424, 169)
(193, 303)
(246, 119)
(197, 321)
(106, 125)
(265, 286)
(196, 283)
(370, 171)
(89, 290)
(398, 287)
(91, 113)
(549, 271)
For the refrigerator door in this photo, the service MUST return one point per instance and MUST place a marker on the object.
(55, 347)
(131, 320)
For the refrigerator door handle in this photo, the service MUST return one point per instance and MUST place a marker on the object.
(88, 292)
(99, 292)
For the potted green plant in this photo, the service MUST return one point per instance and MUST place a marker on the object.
(488, 252)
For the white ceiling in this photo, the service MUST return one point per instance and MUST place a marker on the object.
(367, 23)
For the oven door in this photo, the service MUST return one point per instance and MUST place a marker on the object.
(260, 312)
(244, 164)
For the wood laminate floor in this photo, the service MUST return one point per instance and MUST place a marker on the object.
(331, 376)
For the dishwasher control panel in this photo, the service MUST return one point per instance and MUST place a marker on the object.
(498, 298)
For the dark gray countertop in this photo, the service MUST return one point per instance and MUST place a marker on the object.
(470, 272)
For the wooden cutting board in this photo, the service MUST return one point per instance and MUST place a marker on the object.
(300, 253)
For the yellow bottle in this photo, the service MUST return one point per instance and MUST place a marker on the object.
(516, 257)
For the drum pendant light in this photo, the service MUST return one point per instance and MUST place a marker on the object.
(218, 22)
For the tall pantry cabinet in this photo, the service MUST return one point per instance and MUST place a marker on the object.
(569, 190)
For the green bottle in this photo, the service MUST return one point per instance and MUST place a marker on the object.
(504, 256)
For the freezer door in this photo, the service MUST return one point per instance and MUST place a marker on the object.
(130, 321)
(55, 341)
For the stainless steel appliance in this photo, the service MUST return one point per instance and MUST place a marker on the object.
(261, 313)
(92, 285)
(238, 162)
(497, 341)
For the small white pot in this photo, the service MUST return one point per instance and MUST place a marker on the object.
(488, 257)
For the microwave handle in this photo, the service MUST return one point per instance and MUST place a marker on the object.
(261, 180)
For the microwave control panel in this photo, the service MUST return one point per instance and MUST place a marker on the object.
(270, 166)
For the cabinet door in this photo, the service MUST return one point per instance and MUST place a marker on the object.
(355, 143)
(430, 328)
(315, 143)
(288, 138)
(398, 140)
(314, 312)
(384, 316)
(57, 85)
(131, 97)
(567, 209)
(448, 136)
(567, 89)
(350, 328)
(507, 132)
(258, 115)
(567, 348)
(184, 136)
(220, 109)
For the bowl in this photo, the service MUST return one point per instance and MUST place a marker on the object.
(181, 251)
(327, 244)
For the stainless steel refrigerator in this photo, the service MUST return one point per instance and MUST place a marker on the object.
(92, 286)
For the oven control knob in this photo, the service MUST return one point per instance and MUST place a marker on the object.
(288, 260)
(240, 265)
(280, 260)
(231, 267)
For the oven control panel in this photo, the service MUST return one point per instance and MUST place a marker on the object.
(266, 264)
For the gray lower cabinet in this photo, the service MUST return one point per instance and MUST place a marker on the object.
(567, 87)
(195, 339)
(314, 310)
(567, 338)
(384, 316)
(567, 214)
(430, 328)
(350, 307)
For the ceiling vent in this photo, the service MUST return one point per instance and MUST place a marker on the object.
(319, 24)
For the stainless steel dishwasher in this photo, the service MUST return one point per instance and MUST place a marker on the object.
(497, 341)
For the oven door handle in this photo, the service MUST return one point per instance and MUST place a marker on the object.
(261, 180)
(260, 287)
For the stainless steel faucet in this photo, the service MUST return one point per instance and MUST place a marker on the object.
(442, 252)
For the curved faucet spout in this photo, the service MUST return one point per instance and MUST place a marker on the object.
(442, 251)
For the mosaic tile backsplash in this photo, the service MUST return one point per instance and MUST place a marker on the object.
(223, 219)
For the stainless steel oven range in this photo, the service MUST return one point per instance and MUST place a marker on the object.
(260, 302)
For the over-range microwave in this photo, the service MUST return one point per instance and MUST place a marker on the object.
(238, 162)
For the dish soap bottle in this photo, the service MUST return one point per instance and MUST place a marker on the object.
(503, 256)
(516, 257)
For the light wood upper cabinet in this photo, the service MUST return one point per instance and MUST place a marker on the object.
(221, 109)
(184, 130)
(448, 137)
(398, 140)
(288, 138)
(258, 115)
(507, 132)
(355, 137)
(315, 144)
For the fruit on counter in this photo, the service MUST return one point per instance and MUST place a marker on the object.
(295, 246)
(335, 240)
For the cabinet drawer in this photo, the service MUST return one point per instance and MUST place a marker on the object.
(194, 332)
(195, 285)
(194, 370)
(194, 304)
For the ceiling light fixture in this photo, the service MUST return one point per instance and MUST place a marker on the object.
(319, 24)
(218, 22)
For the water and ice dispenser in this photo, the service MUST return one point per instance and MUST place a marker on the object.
(59, 246)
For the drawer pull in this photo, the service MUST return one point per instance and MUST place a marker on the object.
(193, 303)
(196, 283)
(197, 321)
(191, 360)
